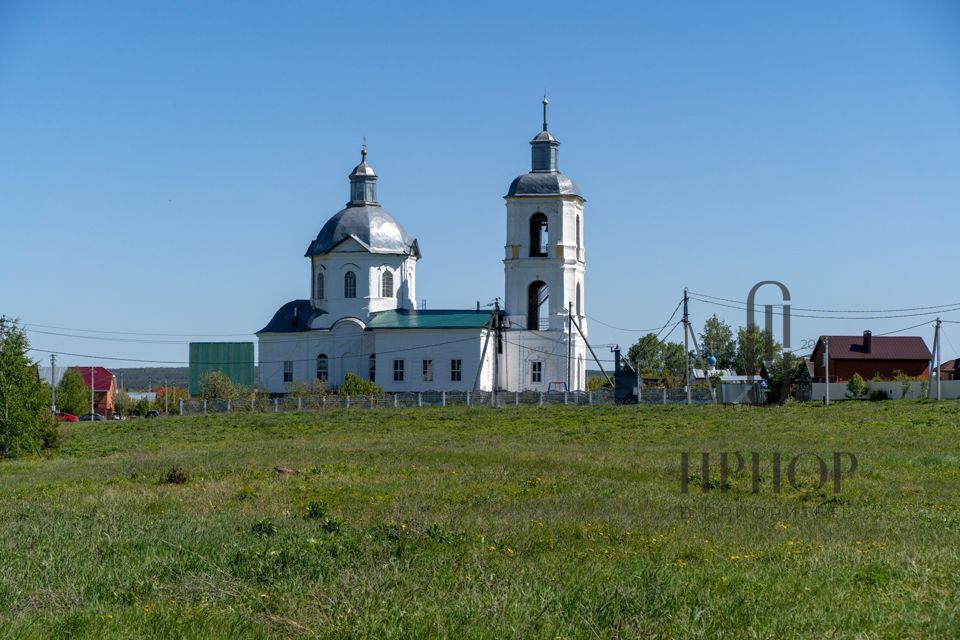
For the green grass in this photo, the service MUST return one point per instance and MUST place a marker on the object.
(480, 523)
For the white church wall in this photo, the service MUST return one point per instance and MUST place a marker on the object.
(350, 255)
(561, 269)
(441, 346)
(549, 348)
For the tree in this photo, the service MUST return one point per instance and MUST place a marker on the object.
(653, 357)
(354, 385)
(646, 355)
(753, 345)
(674, 364)
(788, 373)
(25, 421)
(215, 385)
(122, 402)
(73, 396)
(717, 340)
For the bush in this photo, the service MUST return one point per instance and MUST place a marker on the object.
(879, 394)
(215, 385)
(316, 509)
(856, 387)
(176, 475)
(354, 385)
(597, 382)
(264, 528)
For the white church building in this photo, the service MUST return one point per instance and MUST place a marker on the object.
(361, 315)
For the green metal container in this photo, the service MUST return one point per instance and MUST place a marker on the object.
(235, 359)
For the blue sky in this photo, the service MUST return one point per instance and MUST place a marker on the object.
(163, 167)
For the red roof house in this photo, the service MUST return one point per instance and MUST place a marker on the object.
(104, 387)
(872, 356)
(950, 369)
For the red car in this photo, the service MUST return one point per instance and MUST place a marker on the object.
(63, 416)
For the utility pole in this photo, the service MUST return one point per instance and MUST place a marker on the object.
(93, 387)
(496, 348)
(53, 383)
(826, 366)
(569, 340)
(166, 399)
(937, 356)
(686, 347)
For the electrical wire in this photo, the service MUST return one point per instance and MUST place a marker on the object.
(743, 307)
(938, 306)
(261, 362)
(134, 333)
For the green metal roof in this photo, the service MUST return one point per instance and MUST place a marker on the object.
(429, 319)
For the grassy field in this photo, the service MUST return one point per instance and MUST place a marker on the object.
(554, 522)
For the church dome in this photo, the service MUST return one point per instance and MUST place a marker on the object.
(541, 184)
(544, 178)
(364, 219)
(368, 224)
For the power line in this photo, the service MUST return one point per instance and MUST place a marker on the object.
(672, 316)
(261, 362)
(622, 328)
(743, 307)
(938, 306)
(135, 333)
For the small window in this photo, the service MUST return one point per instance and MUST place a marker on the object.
(320, 286)
(373, 367)
(323, 367)
(386, 285)
(288, 370)
(579, 312)
(539, 238)
(536, 372)
(398, 370)
(456, 370)
(578, 233)
(428, 370)
(350, 285)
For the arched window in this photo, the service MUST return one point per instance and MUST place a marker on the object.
(578, 232)
(373, 367)
(538, 235)
(538, 293)
(386, 285)
(320, 291)
(323, 368)
(350, 285)
(579, 312)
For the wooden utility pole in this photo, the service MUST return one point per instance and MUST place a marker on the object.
(93, 387)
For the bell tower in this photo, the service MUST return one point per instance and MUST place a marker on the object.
(545, 258)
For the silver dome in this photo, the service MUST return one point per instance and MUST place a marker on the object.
(371, 226)
(543, 184)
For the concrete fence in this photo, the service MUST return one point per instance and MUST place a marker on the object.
(396, 400)
(949, 390)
